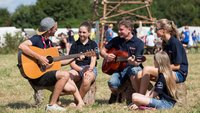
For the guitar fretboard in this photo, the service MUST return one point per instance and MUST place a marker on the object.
(66, 57)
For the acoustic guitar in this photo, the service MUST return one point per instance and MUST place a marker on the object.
(120, 61)
(33, 69)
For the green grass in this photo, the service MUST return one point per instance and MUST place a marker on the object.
(16, 95)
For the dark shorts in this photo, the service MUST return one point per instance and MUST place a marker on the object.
(48, 79)
(186, 43)
(87, 66)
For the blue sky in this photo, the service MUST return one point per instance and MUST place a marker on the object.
(11, 5)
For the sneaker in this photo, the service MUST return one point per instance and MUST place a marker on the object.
(54, 107)
(113, 99)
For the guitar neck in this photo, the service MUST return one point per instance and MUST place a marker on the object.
(137, 58)
(121, 59)
(66, 57)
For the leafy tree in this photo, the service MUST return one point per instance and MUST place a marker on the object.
(73, 12)
(22, 17)
(5, 18)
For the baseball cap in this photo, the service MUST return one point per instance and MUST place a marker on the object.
(45, 25)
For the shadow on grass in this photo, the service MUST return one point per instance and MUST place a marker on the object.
(66, 102)
(100, 101)
(20, 105)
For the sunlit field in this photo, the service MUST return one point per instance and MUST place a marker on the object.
(16, 95)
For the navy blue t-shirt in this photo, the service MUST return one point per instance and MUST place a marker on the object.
(37, 41)
(78, 47)
(162, 90)
(177, 55)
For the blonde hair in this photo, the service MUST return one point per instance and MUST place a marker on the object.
(169, 26)
(163, 62)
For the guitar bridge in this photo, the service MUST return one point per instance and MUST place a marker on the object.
(42, 68)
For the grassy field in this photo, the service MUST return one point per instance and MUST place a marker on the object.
(16, 95)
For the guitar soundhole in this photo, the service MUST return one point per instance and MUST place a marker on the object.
(50, 59)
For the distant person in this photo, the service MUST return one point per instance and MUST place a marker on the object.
(63, 44)
(194, 38)
(150, 43)
(150, 30)
(70, 35)
(109, 33)
(185, 40)
(164, 89)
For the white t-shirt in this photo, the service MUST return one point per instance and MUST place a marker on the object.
(150, 40)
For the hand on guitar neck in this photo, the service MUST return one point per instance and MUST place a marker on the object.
(136, 60)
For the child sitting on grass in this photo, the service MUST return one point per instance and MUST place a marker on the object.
(165, 87)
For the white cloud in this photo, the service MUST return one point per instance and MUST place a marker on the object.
(11, 5)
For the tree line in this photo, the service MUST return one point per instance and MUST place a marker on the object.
(73, 12)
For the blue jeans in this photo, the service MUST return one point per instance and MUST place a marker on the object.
(118, 78)
(94, 71)
(179, 77)
(161, 104)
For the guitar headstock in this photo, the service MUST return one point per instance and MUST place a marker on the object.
(90, 53)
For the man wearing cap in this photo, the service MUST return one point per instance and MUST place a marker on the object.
(59, 79)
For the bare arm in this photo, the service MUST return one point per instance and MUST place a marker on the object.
(103, 52)
(26, 50)
(93, 62)
(175, 66)
(66, 62)
(108, 56)
(75, 66)
(151, 93)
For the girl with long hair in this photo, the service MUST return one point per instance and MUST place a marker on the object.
(165, 87)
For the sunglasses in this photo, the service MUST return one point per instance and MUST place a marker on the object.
(157, 29)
